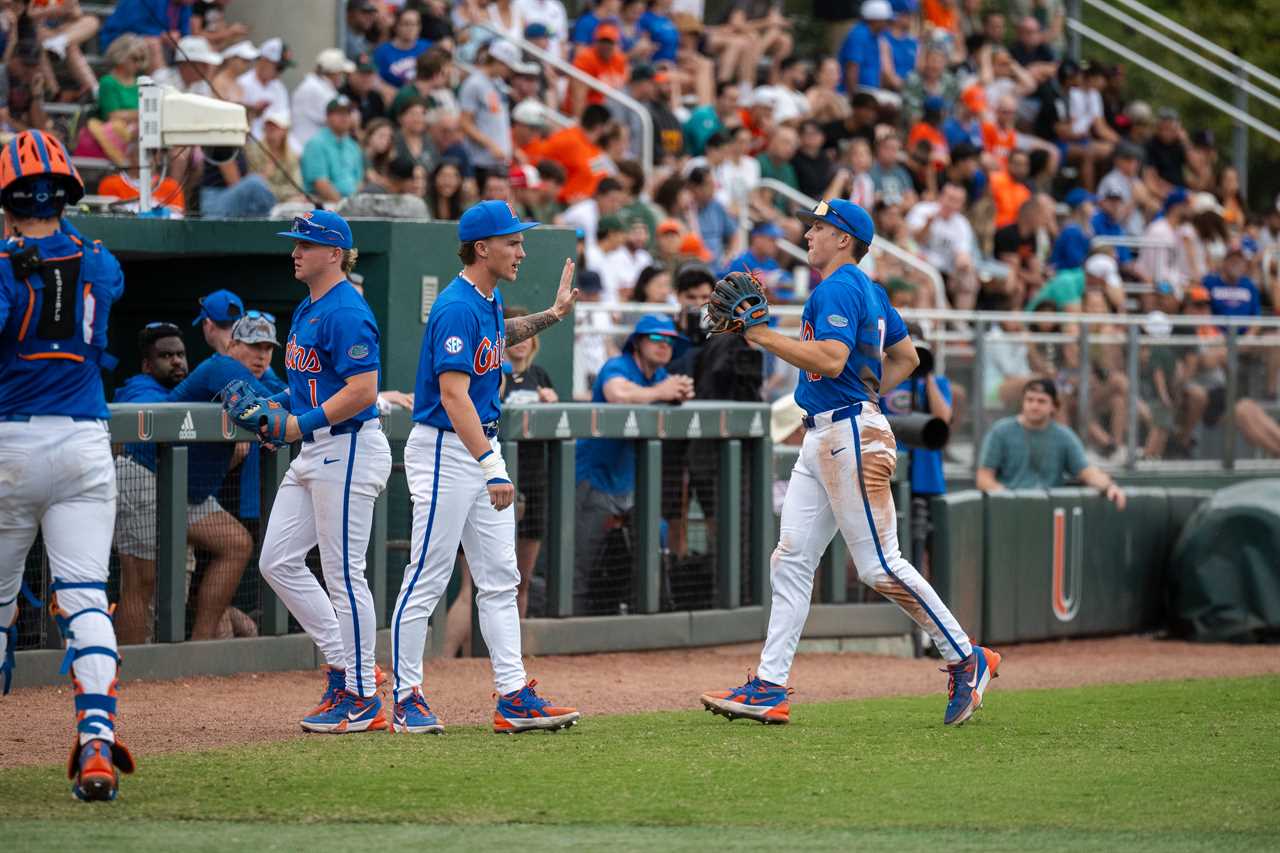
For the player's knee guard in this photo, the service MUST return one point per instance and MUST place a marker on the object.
(92, 660)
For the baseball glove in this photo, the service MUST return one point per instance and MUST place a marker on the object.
(737, 303)
(261, 416)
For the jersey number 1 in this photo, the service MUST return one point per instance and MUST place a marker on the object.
(311, 383)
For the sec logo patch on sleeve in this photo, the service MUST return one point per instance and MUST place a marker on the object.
(453, 345)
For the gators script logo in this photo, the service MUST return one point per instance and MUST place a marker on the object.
(488, 356)
(301, 359)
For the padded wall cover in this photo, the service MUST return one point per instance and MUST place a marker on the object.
(1225, 571)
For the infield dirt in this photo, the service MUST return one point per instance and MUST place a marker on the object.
(203, 713)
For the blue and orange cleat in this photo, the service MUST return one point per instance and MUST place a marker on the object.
(94, 769)
(756, 700)
(412, 715)
(350, 714)
(966, 683)
(336, 683)
(526, 711)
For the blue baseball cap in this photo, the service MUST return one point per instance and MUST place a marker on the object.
(536, 31)
(323, 227)
(490, 219)
(767, 229)
(657, 324)
(844, 216)
(1177, 195)
(935, 104)
(1077, 197)
(221, 306)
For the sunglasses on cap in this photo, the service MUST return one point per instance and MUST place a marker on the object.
(660, 339)
(822, 209)
(255, 315)
(305, 226)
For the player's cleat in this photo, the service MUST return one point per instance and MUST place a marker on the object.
(412, 715)
(966, 683)
(94, 769)
(756, 700)
(350, 714)
(526, 711)
(336, 683)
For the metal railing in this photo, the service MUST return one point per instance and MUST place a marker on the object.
(1182, 42)
(971, 327)
(622, 98)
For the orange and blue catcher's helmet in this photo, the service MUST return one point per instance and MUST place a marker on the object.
(37, 178)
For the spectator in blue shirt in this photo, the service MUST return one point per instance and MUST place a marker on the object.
(604, 12)
(332, 162)
(860, 55)
(1106, 223)
(658, 25)
(151, 19)
(397, 59)
(1231, 291)
(1072, 246)
(761, 261)
(717, 228)
(904, 48)
(606, 467)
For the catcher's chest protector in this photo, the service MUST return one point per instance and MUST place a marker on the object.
(63, 289)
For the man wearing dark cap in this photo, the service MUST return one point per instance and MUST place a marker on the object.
(1166, 153)
(362, 88)
(1031, 450)
(646, 87)
(361, 17)
(332, 162)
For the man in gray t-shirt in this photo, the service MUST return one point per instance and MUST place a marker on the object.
(486, 121)
(1033, 451)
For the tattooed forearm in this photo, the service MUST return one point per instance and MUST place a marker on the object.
(521, 328)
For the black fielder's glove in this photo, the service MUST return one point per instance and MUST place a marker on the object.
(737, 303)
(259, 415)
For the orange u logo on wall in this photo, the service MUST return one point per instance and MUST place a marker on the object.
(1068, 577)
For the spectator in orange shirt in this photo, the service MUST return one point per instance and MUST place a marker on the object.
(578, 150)
(528, 131)
(1009, 188)
(942, 14)
(166, 193)
(603, 60)
(929, 129)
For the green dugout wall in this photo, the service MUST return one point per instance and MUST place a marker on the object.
(1039, 565)
(169, 264)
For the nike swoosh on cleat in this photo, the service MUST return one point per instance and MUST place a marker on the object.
(834, 452)
(329, 461)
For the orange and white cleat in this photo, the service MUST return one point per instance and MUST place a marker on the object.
(526, 711)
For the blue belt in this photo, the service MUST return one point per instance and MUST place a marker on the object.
(344, 428)
(838, 415)
(490, 429)
(22, 419)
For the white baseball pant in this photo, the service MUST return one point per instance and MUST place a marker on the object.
(451, 505)
(327, 498)
(56, 475)
(842, 481)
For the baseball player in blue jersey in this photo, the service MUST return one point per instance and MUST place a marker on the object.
(56, 473)
(327, 497)
(459, 484)
(853, 343)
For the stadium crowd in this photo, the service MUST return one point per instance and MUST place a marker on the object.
(977, 146)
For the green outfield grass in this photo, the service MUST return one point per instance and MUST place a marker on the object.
(1164, 766)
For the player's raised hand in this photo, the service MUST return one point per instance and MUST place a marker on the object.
(566, 294)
